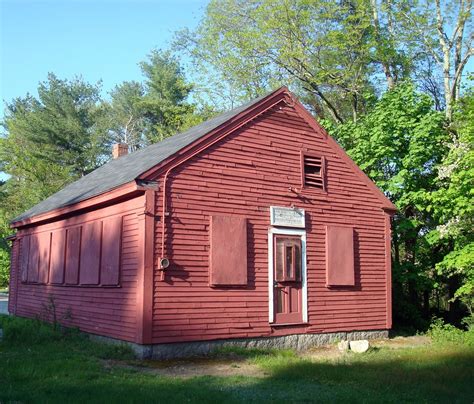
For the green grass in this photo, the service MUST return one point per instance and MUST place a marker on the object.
(39, 364)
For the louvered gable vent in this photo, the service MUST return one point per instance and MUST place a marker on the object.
(313, 171)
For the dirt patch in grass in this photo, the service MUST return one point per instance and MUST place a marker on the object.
(331, 352)
(187, 368)
(235, 365)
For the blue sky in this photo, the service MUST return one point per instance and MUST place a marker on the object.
(100, 40)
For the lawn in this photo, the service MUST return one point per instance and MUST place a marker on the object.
(38, 364)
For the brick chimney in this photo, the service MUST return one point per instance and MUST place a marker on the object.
(119, 150)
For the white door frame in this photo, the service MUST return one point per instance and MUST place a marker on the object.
(304, 298)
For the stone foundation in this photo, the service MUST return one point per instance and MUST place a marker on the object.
(298, 342)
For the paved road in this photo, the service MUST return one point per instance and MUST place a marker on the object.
(3, 304)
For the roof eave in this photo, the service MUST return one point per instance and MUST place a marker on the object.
(128, 190)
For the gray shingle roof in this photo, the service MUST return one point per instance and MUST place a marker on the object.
(127, 168)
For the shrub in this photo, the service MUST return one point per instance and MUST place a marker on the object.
(4, 268)
(447, 333)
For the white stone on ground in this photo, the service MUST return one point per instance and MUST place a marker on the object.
(360, 346)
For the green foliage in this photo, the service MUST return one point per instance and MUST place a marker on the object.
(164, 103)
(58, 129)
(399, 144)
(124, 116)
(142, 113)
(322, 48)
(442, 333)
(49, 141)
(4, 267)
(453, 203)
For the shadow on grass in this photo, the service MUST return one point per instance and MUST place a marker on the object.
(70, 369)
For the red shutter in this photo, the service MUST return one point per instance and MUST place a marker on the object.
(44, 247)
(24, 251)
(73, 245)
(90, 253)
(228, 255)
(58, 249)
(340, 256)
(111, 246)
(33, 259)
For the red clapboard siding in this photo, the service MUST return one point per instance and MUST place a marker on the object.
(110, 310)
(243, 175)
(228, 262)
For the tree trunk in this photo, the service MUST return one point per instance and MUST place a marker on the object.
(385, 65)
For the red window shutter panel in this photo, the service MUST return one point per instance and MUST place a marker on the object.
(111, 246)
(58, 250)
(44, 240)
(73, 245)
(340, 256)
(228, 253)
(33, 259)
(24, 251)
(90, 253)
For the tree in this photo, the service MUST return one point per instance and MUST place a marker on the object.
(453, 204)
(443, 31)
(142, 113)
(329, 51)
(399, 144)
(322, 48)
(58, 127)
(164, 103)
(124, 114)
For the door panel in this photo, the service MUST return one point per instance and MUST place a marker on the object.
(287, 286)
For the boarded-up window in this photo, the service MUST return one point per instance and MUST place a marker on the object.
(90, 253)
(73, 245)
(313, 171)
(228, 255)
(111, 246)
(33, 259)
(339, 256)
(44, 246)
(58, 250)
(24, 252)
(84, 255)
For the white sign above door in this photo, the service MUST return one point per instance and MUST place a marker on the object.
(287, 217)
